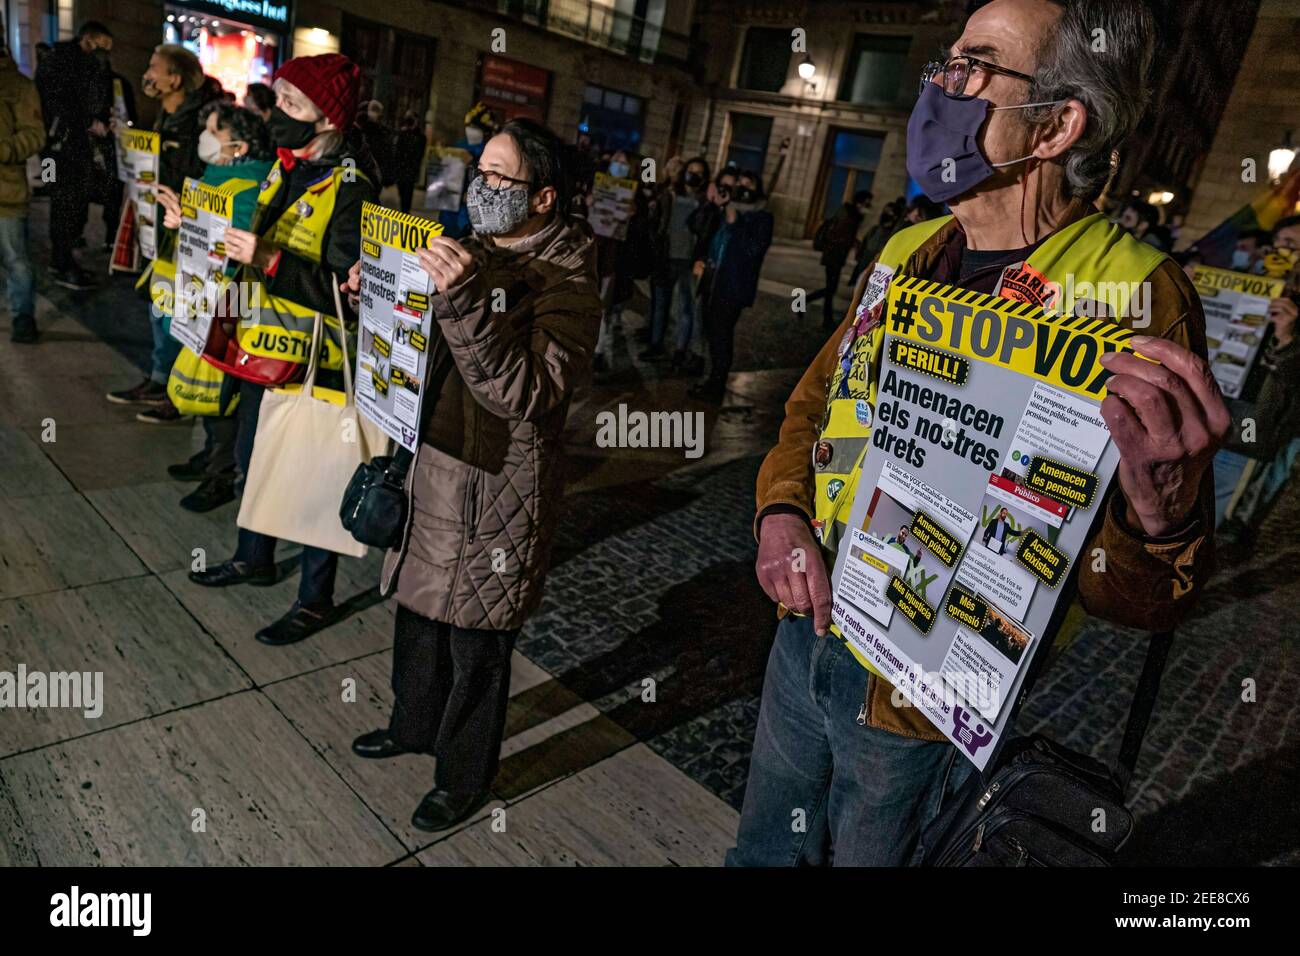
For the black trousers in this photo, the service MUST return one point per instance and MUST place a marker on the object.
(833, 273)
(451, 687)
(218, 455)
(405, 193)
(720, 321)
(69, 201)
(316, 583)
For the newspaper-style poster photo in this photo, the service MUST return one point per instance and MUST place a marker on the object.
(395, 334)
(200, 261)
(988, 462)
(1236, 322)
(444, 177)
(611, 205)
(138, 169)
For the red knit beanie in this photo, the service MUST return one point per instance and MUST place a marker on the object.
(330, 80)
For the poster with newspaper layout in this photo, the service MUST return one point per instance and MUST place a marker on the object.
(138, 168)
(1236, 322)
(396, 329)
(611, 205)
(200, 260)
(987, 466)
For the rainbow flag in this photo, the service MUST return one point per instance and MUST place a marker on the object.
(1279, 202)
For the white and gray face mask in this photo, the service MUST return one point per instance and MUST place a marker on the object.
(495, 211)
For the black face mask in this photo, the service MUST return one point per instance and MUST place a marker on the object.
(289, 132)
(694, 180)
(744, 195)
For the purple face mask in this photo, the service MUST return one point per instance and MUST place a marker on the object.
(943, 150)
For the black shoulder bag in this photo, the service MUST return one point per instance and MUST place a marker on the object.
(374, 505)
(1039, 804)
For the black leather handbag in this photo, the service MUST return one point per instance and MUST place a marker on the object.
(1042, 804)
(374, 504)
(373, 508)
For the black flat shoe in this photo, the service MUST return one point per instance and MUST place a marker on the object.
(298, 624)
(192, 470)
(234, 572)
(441, 809)
(376, 745)
(212, 493)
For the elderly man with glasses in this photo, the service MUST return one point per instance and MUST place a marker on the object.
(1015, 132)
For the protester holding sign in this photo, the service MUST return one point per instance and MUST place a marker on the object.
(1015, 132)
(516, 305)
(1266, 428)
(305, 236)
(176, 80)
(237, 149)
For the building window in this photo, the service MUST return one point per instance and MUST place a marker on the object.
(765, 61)
(875, 70)
(612, 119)
(748, 146)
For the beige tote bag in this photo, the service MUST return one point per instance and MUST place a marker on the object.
(309, 442)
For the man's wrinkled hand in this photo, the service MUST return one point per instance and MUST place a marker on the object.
(1167, 420)
(790, 568)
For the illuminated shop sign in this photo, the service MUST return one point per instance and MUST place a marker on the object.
(258, 13)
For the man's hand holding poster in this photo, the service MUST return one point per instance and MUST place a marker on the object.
(988, 462)
(396, 321)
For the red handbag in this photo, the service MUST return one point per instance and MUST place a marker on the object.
(222, 350)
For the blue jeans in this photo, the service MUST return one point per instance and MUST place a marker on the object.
(13, 255)
(165, 348)
(681, 282)
(823, 788)
(1228, 468)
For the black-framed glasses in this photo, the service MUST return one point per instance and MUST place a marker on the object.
(496, 180)
(956, 72)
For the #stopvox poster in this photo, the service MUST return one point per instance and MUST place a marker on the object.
(987, 465)
(1236, 322)
(200, 261)
(396, 321)
(611, 205)
(138, 168)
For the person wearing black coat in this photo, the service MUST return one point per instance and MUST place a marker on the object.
(75, 99)
(730, 283)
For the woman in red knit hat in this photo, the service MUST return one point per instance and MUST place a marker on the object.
(304, 237)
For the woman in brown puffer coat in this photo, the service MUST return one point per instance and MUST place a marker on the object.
(519, 312)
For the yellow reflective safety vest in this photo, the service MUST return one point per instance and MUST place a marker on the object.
(1087, 268)
(279, 328)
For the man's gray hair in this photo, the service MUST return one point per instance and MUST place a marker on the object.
(1100, 53)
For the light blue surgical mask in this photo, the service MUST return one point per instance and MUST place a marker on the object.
(618, 170)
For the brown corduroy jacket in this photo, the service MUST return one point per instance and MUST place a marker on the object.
(1148, 584)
